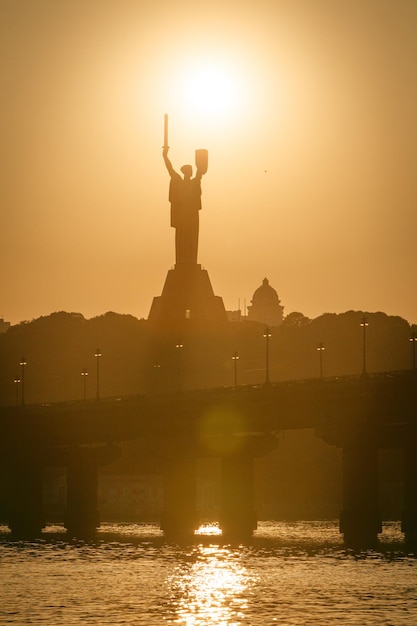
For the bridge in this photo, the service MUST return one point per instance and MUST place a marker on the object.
(359, 414)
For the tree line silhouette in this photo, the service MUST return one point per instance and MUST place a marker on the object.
(135, 359)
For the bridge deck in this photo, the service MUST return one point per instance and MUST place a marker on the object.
(383, 404)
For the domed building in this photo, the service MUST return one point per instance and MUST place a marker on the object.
(266, 306)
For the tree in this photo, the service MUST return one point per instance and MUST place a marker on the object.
(295, 320)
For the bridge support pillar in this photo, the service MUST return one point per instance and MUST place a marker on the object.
(81, 516)
(25, 496)
(409, 518)
(179, 516)
(360, 519)
(238, 517)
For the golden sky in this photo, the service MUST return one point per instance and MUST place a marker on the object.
(312, 146)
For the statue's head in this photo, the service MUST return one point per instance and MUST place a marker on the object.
(187, 170)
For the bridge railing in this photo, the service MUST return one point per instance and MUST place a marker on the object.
(226, 389)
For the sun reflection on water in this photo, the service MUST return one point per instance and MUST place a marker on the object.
(208, 529)
(211, 587)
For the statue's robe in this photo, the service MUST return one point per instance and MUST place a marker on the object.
(185, 199)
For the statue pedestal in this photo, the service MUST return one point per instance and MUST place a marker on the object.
(187, 294)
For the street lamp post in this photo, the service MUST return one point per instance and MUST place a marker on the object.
(84, 374)
(156, 377)
(267, 335)
(413, 339)
(98, 355)
(17, 382)
(179, 347)
(364, 324)
(235, 359)
(321, 349)
(22, 364)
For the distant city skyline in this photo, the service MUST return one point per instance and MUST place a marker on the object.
(307, 109)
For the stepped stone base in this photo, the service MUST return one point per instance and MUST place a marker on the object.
(187, 294)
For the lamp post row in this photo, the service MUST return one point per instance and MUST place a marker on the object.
(84, 375)
(20, 380)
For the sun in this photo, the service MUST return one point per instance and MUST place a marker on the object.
(212, 91)
(208, 97)
(211, 88)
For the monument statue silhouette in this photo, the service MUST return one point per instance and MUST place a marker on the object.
(187, 293)
(185, 199)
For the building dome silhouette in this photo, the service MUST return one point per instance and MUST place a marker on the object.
(266, 306)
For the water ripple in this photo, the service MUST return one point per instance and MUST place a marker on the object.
(290, 574)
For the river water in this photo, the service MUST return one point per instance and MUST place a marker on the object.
(288, 574)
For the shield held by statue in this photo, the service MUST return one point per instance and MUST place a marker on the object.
(201, 160)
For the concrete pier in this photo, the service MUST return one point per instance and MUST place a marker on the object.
(25, 495)
(82, 516)
(179, 516)
(409, 518)
(238, 516)
(360, 519)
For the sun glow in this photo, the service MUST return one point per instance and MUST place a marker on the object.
(211, 96)
(212, 91)
(208, 89)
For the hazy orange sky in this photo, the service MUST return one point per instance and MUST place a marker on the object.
(312, 160)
